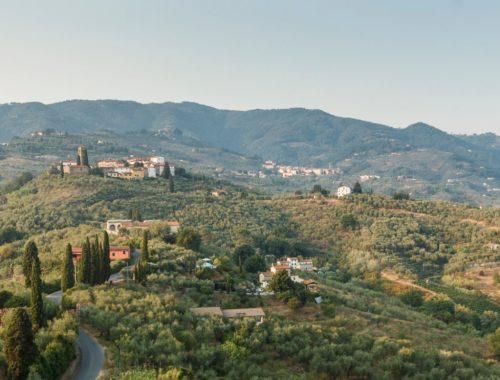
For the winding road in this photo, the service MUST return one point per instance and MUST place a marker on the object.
(91, 352)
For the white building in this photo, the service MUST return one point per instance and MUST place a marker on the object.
(342, 191)
(269, 165)
(305, 265)
(206, 263)
(265, 279)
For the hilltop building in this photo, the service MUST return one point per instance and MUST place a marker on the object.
(342, 191)
(80, 166)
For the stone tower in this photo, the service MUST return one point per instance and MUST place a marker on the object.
(82, 158)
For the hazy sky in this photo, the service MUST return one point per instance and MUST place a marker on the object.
(394, 62)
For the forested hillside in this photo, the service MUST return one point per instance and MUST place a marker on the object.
(294, 136)
(370, 325)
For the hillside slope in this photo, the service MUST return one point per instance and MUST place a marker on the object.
(291, 136)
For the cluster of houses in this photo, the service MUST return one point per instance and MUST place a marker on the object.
(291, 265)
(132, 168)
(291, 171)
(135, 168)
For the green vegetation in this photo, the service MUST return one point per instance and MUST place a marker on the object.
(36, 303)
(29, 258)
(20, 352)
(365, 325)
(67, 270)
(419, 159)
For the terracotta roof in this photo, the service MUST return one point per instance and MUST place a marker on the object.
(309, 282)
(251, 312)
(267, 274)
(207, 310)
(281, 266)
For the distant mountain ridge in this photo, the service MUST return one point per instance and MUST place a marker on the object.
(295, 136)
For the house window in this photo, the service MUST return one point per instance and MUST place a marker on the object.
(112, 253)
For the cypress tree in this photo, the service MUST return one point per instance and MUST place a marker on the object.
(67, 270)
(140, 270)
(166, 171)
(144, 246)
(37, 314)
(135, 214)
(105, 257)
(30, 255)
(101, 264)
(61, 169)
(95, 272)
(84, 273)
(78, 160)
(19, 346)
(357, 189)
(171, 186)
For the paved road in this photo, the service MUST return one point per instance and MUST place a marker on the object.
(118, 276)
(92, 358)
(92, 353)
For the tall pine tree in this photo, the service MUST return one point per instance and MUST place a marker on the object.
(30, 255)
(37, 313)
(144, 246)
(19, 346)
(106, 265)
(67, 270)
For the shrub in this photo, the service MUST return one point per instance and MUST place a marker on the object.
(412, 297)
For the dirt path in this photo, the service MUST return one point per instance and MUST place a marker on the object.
(483, 278)
(481, 224)
(392, 276)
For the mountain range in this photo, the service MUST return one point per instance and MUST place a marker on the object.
(294, 136)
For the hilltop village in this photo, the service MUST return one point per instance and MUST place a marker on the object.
(131, 168)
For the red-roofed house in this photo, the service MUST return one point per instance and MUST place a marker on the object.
(115, 253)
(276, 268)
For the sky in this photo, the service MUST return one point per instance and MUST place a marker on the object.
(395, 62)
